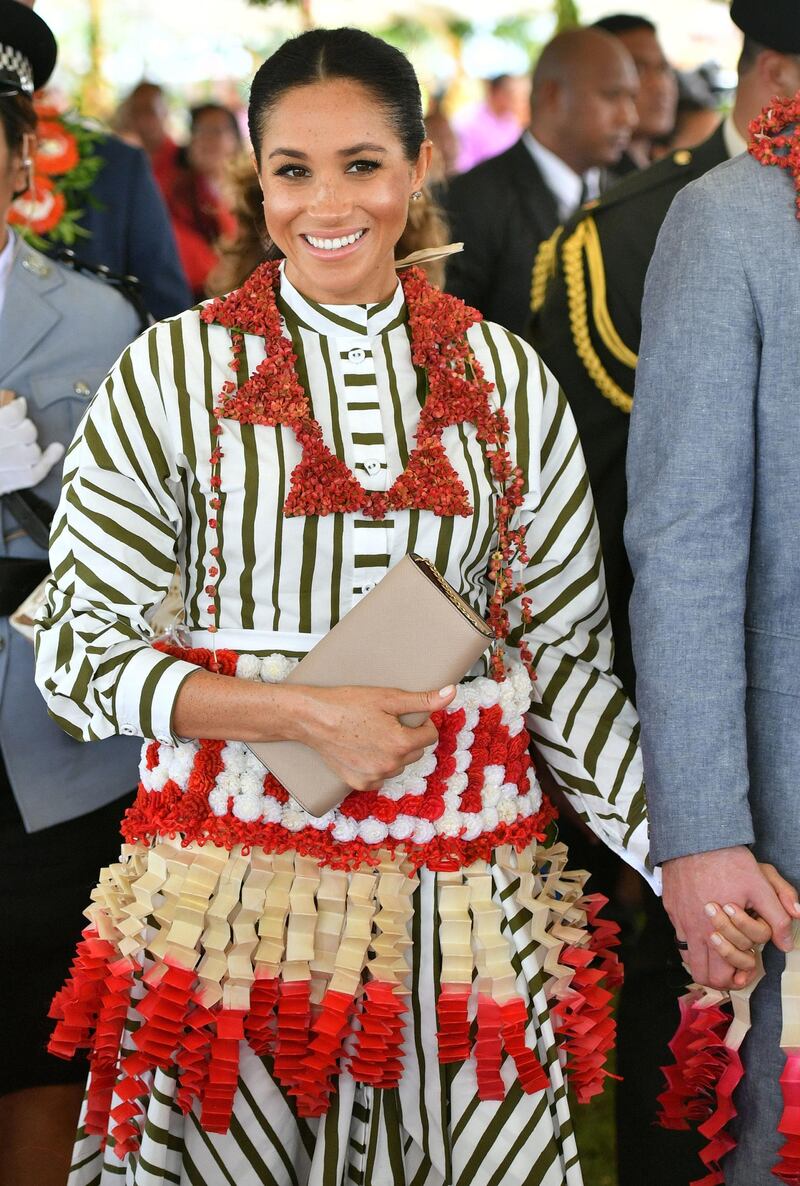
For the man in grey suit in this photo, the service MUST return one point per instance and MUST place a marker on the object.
(712, 533)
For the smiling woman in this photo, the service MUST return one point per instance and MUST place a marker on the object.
(340, 151)
(379, 994)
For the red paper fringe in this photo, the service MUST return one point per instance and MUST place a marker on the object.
(701, 1083)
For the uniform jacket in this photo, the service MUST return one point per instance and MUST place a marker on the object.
(130, 231)
(59, 335)
(501, 210)
(586, 325)
(714, 519)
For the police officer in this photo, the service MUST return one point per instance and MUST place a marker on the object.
(588, 284)
(60, 331)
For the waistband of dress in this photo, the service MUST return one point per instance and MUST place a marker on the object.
(253, 641)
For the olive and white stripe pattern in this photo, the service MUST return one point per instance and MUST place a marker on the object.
(135, 499)
(431, 1131)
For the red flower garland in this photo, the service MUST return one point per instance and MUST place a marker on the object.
(775, 138)
(323, 484)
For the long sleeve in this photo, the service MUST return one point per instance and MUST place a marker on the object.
(690, 478)
(112, 552)
(583, 726)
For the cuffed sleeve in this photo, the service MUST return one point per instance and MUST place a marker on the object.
(112, 551)
(583, 725)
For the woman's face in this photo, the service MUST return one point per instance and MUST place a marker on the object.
(13, 179)
(336, 188)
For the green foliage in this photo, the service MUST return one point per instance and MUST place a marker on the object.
(567, 15)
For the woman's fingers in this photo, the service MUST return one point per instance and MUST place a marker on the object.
(787, 894)
(743, 960)
(737, 926)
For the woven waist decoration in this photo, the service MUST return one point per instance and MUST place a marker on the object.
(233, 916)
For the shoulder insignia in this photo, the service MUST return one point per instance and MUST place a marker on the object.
(544, 268)
(36, 266)
(583, 246)
(682, 157)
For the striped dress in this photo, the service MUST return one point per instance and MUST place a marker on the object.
(136, 502)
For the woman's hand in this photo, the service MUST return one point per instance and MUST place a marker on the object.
(736, 932)
(357, 733)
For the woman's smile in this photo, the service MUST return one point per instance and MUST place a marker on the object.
(332, 246)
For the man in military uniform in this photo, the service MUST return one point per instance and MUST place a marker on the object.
(588, 284)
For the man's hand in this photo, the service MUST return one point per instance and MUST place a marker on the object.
(22, 462)
(693, 886)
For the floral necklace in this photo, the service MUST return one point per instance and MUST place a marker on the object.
(775, 138)
(323, 484)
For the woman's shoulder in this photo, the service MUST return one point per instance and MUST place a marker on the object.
(509, 356)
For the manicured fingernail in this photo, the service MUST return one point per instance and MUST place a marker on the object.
(710, 909)
(715, 938)
(796, 907)
(731, 910)
(446, 691)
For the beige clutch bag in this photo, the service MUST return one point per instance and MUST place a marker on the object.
(412, 631)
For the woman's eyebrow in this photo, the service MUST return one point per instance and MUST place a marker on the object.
(296, 154)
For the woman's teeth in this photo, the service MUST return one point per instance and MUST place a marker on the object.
(333, 244)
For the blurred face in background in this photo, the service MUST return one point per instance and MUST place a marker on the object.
(658, 87)
(146, 116)
(214, 142)
(597, 109)
(511, 96)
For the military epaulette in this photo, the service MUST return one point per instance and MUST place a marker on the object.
(578, 245)
(668, 171)
(127, 286)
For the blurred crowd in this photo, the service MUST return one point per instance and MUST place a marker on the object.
(206, 182)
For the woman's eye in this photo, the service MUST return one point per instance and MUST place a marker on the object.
(363, 166)
(291, 171)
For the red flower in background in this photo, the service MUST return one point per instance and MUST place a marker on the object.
(57, 149)
(40, 208)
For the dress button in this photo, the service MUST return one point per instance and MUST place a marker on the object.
(372, 467)
(82, 389)
(368, 586)
(356, 354)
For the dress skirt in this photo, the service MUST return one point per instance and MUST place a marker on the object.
(431, 1130)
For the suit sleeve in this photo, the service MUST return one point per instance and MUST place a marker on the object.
(690, 477)
(152, 253)
(475, 221)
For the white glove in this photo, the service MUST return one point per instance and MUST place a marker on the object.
(22, 462)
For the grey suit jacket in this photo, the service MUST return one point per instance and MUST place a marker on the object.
(59, 335)
(713, 528)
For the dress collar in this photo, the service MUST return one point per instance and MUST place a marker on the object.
(343, 321)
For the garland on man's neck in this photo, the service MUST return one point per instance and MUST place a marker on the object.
(775, 138)
(323, 484)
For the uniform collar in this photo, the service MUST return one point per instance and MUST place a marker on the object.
(343, 321)
(735, 142)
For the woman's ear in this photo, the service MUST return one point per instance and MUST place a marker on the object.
(254, 163)
(23, 171)
(422, 164)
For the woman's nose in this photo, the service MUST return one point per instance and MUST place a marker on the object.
(328, 198)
